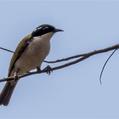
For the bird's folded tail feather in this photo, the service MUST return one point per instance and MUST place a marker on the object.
(7, 93)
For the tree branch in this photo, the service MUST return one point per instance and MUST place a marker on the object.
(105, 65)
(81, 57)
(6, 50)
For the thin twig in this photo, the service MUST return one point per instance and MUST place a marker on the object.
(6, 49)
(105, 65)
(84, 54)
(65, 59)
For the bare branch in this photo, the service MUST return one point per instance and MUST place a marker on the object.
(81, 57)
(105, 65)
(43, 71)
(6, 50)
(84, 54)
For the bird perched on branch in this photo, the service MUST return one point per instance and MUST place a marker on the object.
(29, 54)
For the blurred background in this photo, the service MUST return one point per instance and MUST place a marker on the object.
(73, 92)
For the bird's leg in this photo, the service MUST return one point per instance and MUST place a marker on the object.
(16, 76)
(38, 68)
(48, 69)
(15, 79)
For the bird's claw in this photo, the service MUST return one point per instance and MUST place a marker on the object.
(48, 70)
(16, 78)
(38, 69)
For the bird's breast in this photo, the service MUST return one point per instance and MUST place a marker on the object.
(33, 55)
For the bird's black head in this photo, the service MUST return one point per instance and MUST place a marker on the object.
(43, 29)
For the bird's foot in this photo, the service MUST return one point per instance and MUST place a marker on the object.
(38, 69)
(48, 69)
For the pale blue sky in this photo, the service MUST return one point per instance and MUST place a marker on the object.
(73, 92)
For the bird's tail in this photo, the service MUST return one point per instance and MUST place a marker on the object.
(7, 93)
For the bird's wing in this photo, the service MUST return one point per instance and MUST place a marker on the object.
(19, 50)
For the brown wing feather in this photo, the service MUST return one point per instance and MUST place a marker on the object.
(18, 52)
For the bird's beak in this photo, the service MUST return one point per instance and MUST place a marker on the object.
(58, 30)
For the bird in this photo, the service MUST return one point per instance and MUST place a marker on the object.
(29, 54)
